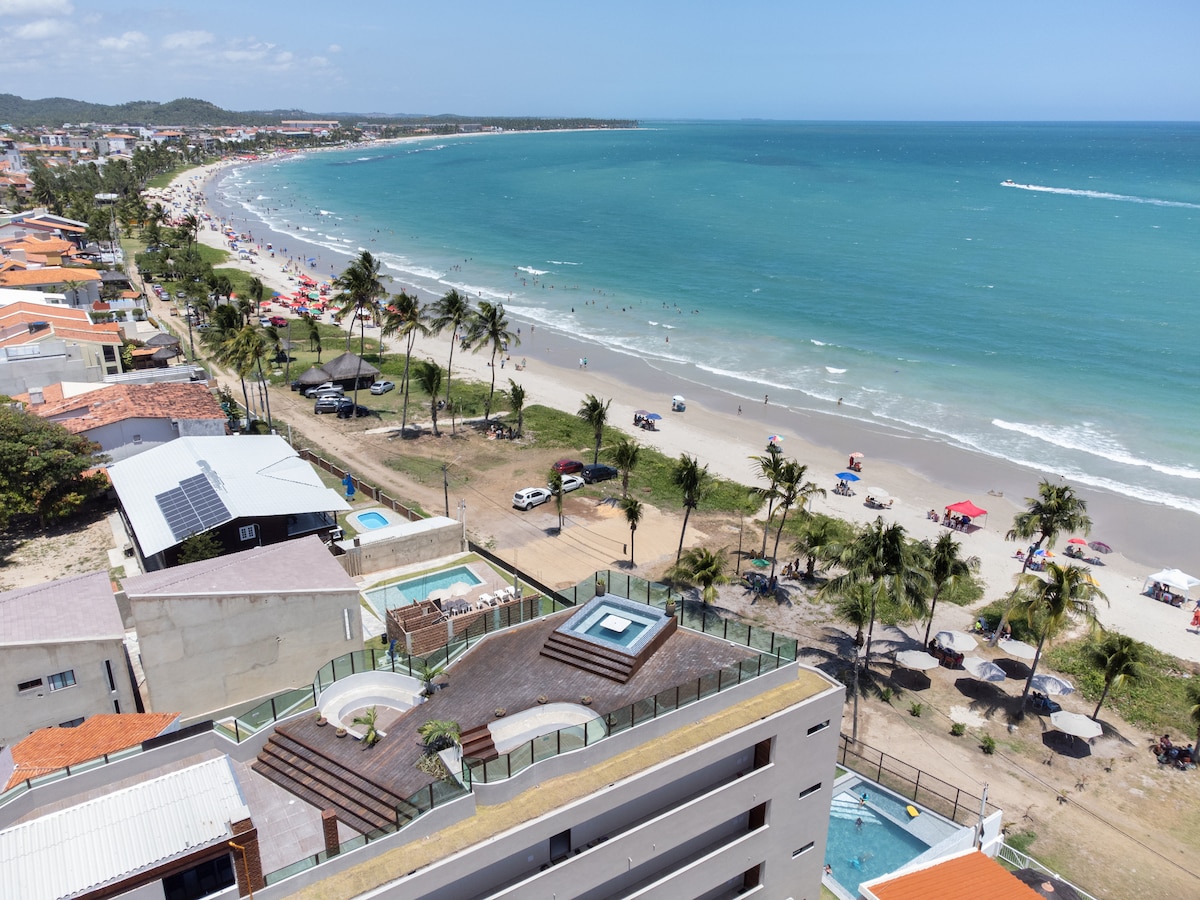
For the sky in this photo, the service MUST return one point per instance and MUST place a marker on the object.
(653, 59)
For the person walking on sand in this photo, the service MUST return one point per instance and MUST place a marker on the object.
(1196, 618)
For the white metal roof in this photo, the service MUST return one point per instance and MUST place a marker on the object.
(105, 840)
(254, 475)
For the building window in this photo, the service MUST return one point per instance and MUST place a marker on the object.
(112, 682)
(247, 532)
(74, 723)
(803, 849)
(29, 685)
(819, 727)
(137, 438)
(810, 790)
(117, 707)
(62, 680)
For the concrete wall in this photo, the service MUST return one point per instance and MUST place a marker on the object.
(202, 653)
(59, 361)
(27, 711)
(118, 438)
(412, 543)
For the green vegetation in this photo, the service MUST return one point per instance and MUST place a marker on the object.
(199, 547)
(988, 744)
(958, 729)
(915, 709)
(1156, 701)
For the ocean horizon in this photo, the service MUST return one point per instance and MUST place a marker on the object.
(1020, 290)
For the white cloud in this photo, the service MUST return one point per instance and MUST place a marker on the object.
(130, 40)
(335, 48)
(39, 30)
(36, 8)
(187, 40)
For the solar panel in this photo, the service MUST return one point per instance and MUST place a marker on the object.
(192, 507)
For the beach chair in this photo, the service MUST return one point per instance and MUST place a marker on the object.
(485, 599)
(510, 592)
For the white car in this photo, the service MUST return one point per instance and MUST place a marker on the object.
(327, 388)
(527, 498)
(382, 386)
(570, 483)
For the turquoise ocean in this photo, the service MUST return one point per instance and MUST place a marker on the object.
(1053, 322)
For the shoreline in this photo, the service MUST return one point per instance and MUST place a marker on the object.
(921, 473)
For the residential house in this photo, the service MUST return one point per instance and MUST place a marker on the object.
(43, 343)
(223, 634)
(246, 490)
(62, 655)
(128, 419)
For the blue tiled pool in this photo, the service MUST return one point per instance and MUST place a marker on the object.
(372, 519)
(616, 622)
(402, 593)
(858, 853)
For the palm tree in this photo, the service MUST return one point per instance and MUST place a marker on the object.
(189, 226)
(555, 482)
(1120, 658)
(489, 328)
(624, 455)
(769, 467)
(1051, 601)
(856, 607)
(881, 557)
(244, 350)
(595, 413)
(793, 490)
(817, 534)
(1054, 510)
(694, 483)
(405, 316)
(516, 402)
(429, 379)
(1193, 699)
(452, 312)
(257, 292)
(703, 568)
(947, 570)
(632, 507)
(359, 289)
(314, 335)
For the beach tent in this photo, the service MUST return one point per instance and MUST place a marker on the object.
(967, 508)
(1172, 578)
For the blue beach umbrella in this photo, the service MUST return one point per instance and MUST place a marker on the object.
(653, 417)
(847, 476)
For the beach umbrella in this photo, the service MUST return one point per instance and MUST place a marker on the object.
(761, 563)
(983, 669)
(775, 439)
(958, 641)
(856, 455)
(1076, 725)
(1047, 553)
(1051, 684)
(1100, 547)
(439, 595)
(1076, 541)
(1019, 649)
(460, 589)
(916, 659)
(847, 476)
(653, 417)
(641, 412)
(878, 493)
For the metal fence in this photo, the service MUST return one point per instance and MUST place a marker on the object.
(1015, 859)
(919, 786)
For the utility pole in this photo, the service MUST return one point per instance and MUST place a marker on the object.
(446, 489)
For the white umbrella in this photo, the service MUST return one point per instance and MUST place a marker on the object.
(1019, 649)
(916, 659)
(1051, 684)
(460, 589)
(878, 493)
(958, 641)
(1076, 725)
(439, 594)
(983, 669)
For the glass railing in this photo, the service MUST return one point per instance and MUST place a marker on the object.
(637, 713)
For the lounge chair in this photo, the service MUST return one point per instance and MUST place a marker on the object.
(485, 599)
(510, 592)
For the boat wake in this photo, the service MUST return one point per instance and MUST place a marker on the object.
(1099, 195)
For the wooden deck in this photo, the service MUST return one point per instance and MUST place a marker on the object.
(506, 670)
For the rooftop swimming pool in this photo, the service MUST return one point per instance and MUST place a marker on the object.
(884, 841)
(412, 590)
(617, 623)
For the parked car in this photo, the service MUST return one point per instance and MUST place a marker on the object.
(598, 472)
(348, 409)
(278, 321)
(328, 403)
(570, 483)
(568, 466)
(527, 498)
(327, 387)
(382, 386)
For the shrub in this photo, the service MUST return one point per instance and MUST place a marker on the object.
(915, 709)
(958, 729)
(988, 744)
(886, 695)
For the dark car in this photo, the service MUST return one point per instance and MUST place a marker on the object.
(598, 472)
(348, 409)
(568, 466)
(327, 404)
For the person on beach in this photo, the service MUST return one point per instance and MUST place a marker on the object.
(1196, 618)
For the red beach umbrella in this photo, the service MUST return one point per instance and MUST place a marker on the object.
(1077, 541)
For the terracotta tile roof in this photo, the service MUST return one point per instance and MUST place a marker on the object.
(66, 323)
(50, 275)
(118, 402)
(51, 749)
(38, 245)
(968, 875)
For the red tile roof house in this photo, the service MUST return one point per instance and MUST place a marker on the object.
(127, 419)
